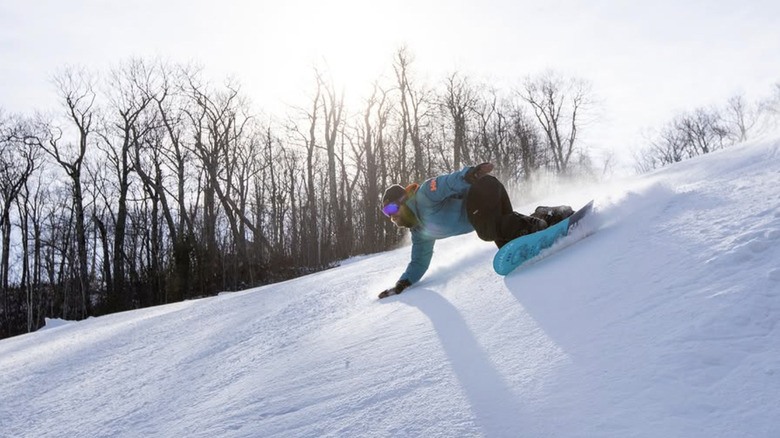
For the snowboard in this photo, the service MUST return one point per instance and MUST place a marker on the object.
(524, 248)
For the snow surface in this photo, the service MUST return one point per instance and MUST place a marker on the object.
(662, 323)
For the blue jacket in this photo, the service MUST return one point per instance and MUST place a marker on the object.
(440, 208)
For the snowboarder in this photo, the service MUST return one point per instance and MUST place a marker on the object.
(458, 203)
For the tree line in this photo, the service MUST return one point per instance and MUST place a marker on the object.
(708, 129)
(154, 185)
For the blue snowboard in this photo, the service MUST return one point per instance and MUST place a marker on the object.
(524, 248)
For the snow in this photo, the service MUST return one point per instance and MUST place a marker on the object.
(54, 323)
(662, 322)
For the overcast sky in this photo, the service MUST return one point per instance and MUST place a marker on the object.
(646, 62)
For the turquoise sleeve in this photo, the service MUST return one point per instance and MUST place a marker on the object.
(422, 252)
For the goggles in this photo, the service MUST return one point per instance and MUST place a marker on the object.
(392, 208)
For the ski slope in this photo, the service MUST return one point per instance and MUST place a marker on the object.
(661, 323)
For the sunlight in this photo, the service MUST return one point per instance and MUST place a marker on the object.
(290, 40)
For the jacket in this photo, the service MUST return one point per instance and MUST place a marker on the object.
(439, 206)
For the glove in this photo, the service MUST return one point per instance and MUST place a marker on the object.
(477, 172)
(397, 289)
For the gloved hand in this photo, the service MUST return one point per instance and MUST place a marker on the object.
(477, 172)
(397, 289)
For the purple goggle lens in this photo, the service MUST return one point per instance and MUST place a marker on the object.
(391, 209)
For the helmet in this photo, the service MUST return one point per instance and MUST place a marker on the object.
(393, 193)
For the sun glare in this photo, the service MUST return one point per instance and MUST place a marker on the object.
(349, 43)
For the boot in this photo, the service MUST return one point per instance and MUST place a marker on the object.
(552, 215)
(514, 225)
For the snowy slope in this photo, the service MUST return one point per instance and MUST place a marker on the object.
(663, 323)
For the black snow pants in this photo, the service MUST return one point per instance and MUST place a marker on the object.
(490, 212)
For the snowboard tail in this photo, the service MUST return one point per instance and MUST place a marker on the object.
(520, 250)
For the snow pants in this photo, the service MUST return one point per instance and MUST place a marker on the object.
(490, 213)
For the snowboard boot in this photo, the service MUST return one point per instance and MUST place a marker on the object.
(552, 215)
(514, 225)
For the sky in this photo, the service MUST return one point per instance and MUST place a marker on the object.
(658, 317)
(646, 61)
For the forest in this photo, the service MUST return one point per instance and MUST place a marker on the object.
(153, 184)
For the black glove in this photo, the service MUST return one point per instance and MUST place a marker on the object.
(399, 287)
(477, 172)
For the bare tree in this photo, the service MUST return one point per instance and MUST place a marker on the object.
(459, 100)
(379, 172)
(222, 122)
(703, 131)
(558, 104)
(124, 128)
(672, 146)
(413, 103)
(162, 156)
(19, 158)
(688, 135)
(76, 89)
(772, 104)
(528, 143)
(311, 232)
(333, 116)
(740, 117)
(32, 208)
(372, 133)
(349, 177)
